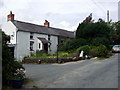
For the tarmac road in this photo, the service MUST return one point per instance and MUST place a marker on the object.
(80, 74)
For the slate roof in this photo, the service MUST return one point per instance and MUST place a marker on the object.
(29, 27)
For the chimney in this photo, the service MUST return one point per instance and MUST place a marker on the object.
(47, 24)
(10, 17)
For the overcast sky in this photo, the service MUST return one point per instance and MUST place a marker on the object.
(65, 14)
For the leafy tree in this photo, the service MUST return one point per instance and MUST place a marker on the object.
(115, 33)
(9, 65)
(72, 44)
(93, 32)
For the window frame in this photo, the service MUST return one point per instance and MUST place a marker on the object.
(31, 36)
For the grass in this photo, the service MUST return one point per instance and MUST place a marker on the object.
(44, 55)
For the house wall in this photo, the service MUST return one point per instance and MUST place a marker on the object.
(37, 41)
(22, 40)
(23, 45)
(53, 40)
(10, 29)
(54, 43)
(119, 11)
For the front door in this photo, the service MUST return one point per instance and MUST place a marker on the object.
(12, 51)
(46, 48)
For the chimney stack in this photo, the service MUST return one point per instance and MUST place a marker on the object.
(47, 24)
(10, 17)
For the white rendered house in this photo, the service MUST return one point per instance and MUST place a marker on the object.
(119, 11)
(29, 38)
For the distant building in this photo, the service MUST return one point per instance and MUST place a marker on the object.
(119, 11)
(27, 38)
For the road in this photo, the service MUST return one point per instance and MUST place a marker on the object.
(80, 74)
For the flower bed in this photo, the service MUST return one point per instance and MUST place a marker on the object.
(49, 60)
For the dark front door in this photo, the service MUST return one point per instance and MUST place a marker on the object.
(46, 48)
(12, 51)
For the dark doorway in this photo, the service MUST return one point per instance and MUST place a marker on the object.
(46, 48)
(12, 51)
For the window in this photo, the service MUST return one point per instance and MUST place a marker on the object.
(31, 46)
(31, 35)
(48, 37)
(39, 45)
(62, 40)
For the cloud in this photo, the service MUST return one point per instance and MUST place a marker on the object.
(64, 24)
(64, 14)
(1, 4)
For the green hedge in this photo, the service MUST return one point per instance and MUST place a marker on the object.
(95, 51)
(85, 48)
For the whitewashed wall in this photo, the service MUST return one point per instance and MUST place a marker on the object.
(23, 45)
(22, 41)
(54, 43)
(53, 39)
(10, 29)
(119, 11)
(37, 41)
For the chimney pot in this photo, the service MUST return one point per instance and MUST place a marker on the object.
(10, 17)
(47, 24)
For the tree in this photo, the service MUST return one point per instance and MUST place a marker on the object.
(115, 33)
(72, 44)
(88, 19)
(9, 65)
(90, 31)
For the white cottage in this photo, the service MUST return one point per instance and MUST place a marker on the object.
(28, 37)
(119, 11)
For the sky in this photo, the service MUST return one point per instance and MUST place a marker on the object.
(64, 14)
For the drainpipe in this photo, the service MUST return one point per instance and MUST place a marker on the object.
(57, 54)
(16, 43)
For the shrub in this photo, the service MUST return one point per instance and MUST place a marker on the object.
(64, 55)
(100, 40)
(32, 54)
(72, 44)
(102, 51)
(41, 55)
(98, 51)
(93, 51)
(9, 65)
(85, 48)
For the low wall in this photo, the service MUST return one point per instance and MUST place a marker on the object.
(49, 60)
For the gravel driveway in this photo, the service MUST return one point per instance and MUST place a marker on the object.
(80, 74)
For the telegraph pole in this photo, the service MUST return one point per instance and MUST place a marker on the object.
(107, 16)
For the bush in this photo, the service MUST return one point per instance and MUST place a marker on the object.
(98, 51)
(85, 48)
(9, 65)
(72, 44)
(100, 40)
(93, 51)
(64, 55)
(102, 51)
(41, 55)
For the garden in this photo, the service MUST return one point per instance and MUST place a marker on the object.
(95, 39)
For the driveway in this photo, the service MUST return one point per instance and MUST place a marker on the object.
(80, 74)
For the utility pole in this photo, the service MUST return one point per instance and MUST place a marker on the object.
(107, 16)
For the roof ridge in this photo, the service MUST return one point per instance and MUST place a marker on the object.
(42, 26)
(28, 23)
(30, 27)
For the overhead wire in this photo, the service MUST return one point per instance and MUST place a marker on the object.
(99, 6)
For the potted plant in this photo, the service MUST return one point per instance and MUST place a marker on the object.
(18, 78)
